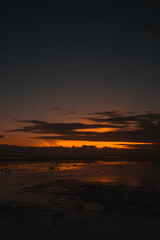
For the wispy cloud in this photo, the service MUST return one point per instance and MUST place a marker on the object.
(65, 111)
(125, 118)
(107, 113)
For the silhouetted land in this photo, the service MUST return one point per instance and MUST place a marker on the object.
(148, 152)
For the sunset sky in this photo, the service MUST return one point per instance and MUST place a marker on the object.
(80, 73)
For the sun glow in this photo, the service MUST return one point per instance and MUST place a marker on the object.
(23, 141)
(97, 144)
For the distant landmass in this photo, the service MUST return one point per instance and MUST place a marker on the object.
(151, 151)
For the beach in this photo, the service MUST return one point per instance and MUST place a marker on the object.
(68, 199)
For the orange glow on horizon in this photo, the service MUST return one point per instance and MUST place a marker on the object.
(32, 142)
(69, 143)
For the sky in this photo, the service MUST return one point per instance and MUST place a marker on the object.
(76, 67)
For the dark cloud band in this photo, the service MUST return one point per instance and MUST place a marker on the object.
(127, 127)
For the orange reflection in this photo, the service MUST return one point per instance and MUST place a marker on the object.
(42, 166)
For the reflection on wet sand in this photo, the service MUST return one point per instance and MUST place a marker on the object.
(127, 173)
(61, 196)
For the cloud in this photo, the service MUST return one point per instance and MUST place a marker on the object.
(122, 128)
(65, 111)
(106, 113)
(119, 118)
(144, 146)
(143, 127)
(56, 128)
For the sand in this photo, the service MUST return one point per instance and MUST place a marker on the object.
(76, 200)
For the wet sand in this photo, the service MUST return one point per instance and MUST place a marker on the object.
(79, 199)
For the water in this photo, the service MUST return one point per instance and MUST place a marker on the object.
(76, 199)
(16, 174)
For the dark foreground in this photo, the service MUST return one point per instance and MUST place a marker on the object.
(80, 200)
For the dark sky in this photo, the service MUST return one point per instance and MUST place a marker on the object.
(88, 57)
